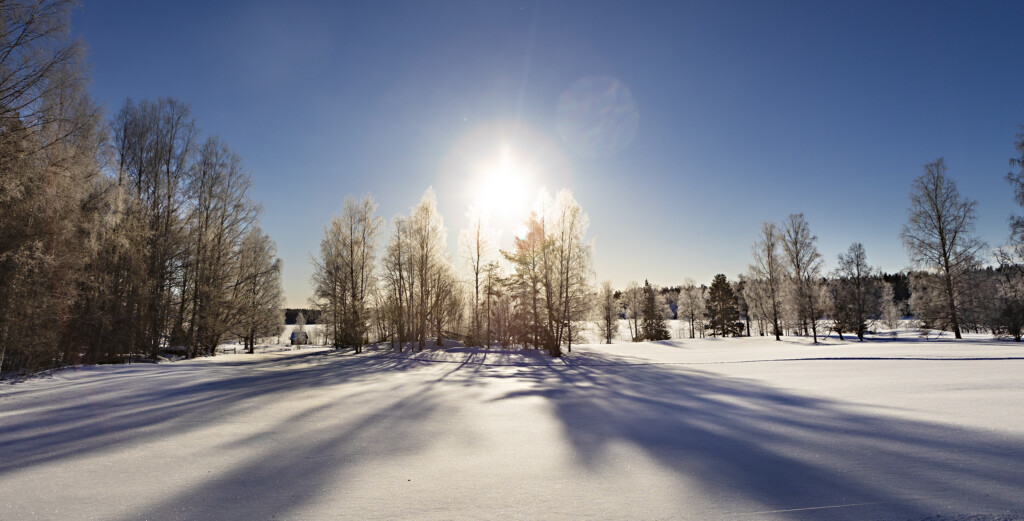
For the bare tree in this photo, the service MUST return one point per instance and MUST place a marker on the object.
(155, 146)
(51, 190)
(219, 215)
(344, 276)
(574, 265)
(1010, 314)
(859, 289)
(526, 283)
(258, 289)
(805, 271)
(768, 275)
(939, 235)
(691, 305)
(477, 246)
(891, 315)
(609, 312)
(633, 304)
(429, 260)
(398, 279)
(552, 271)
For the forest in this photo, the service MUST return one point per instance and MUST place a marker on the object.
(120, 237)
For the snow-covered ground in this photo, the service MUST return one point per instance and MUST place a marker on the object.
(681, 429)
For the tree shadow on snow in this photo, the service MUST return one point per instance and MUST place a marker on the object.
(799, 456)
(737, 437)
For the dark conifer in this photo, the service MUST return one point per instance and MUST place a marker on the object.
(723, 313)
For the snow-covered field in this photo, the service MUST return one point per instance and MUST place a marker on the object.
(682, 429)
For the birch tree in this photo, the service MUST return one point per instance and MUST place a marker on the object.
(805, 271)
(1010, 320)
(51, 199)
(859, 289)
(343, 276)
(633, 306)
(939, 236)
(691, 307)
(258, 289)
(608, 308)
(768, 275)
(155, 144)
(477, 247)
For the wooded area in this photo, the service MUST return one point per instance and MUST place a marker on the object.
(119, 238)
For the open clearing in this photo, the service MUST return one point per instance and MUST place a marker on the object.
(685, 429)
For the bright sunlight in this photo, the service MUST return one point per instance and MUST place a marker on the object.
(503, 188)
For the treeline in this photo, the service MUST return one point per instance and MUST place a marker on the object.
(786, 290)
(118, 238)
(309, 316)
(540, 294)
(536, 295)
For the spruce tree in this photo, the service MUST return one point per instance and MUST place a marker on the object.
(654, 327)
(723, 313)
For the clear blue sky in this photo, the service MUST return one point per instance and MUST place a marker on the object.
(747, 112)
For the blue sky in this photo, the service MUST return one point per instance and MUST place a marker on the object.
(747, 111)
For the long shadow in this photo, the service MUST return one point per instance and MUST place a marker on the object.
(800, 457)
(159, 401)
(794, 455)
(276, 477)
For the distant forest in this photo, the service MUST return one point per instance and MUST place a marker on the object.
(311, 315)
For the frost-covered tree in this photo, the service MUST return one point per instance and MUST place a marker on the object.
(498, 306)
(739, 289)
(691, 306)
(421, 294)
(805, 272)
(218, 216)
(430, 265)
(1010, 312)
(891, 314)
(608, 307)
(397, 284)
(552, 272)
(52, 193)
(939, 235)
(478, 248)
(768, 276)
(343, 276)
(258, 289)
(155, 143)
(633, 307)
(857, 298)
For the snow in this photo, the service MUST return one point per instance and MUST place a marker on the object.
(682, 429)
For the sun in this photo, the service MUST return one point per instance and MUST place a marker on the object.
(502, 189)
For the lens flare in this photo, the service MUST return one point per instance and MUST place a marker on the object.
(597, 116)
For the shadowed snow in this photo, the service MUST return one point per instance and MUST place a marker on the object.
(683, 429)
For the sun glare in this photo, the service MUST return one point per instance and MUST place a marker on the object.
(503, 189)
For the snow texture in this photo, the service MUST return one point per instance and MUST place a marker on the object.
(905, 429)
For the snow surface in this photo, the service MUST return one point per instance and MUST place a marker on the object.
(904, 429)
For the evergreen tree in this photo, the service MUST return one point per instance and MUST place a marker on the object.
(654, 327)
(723, 313)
